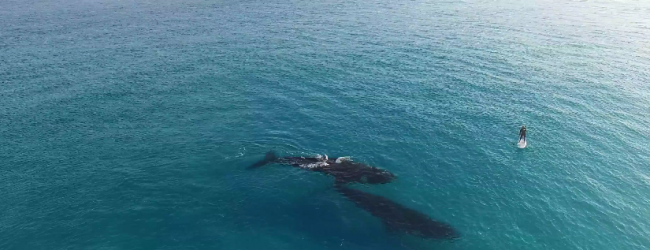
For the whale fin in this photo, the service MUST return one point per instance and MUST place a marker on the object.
(269, 157)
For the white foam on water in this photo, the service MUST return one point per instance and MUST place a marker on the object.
(342, 159)
(314, 165)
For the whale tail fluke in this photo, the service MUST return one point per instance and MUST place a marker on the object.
(268, 158)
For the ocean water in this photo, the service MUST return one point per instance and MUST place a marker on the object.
(129, 124)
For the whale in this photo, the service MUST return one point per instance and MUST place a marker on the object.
(399, 218)
(343, 169)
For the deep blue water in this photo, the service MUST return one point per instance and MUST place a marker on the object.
(129, 124)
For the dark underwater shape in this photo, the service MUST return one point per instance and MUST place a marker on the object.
(398, 218)
(343, 170)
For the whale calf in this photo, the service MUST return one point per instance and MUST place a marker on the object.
(342, 169)
(398, 218)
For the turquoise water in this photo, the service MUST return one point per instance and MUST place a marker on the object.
(129, 124)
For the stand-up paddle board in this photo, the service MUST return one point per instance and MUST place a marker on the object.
(522, 144)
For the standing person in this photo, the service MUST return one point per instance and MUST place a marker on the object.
(522, 133)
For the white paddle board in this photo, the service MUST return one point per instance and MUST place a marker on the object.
(522, 144)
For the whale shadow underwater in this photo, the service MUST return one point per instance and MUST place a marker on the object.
(342, 169)
(398, 218)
